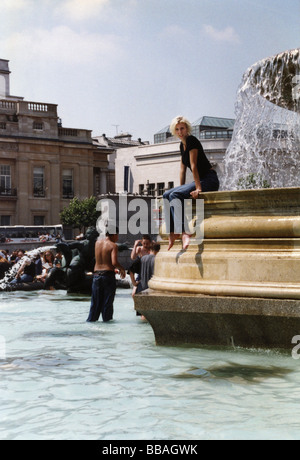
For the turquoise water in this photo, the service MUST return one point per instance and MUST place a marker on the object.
(63, 378)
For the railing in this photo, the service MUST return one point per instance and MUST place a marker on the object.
(37, 107)
(39, 192)
(67, 132)
(8, 191)
(78, 135)
(68, 195)
(8, 105)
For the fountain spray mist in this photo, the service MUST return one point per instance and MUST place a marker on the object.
(265, 147)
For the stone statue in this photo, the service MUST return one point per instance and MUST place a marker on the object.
(80, 260)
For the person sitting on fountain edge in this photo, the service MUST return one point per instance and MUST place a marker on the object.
(205, 178)
(104, 281)
(27, 270)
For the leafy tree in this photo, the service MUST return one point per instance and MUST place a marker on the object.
(80, 213)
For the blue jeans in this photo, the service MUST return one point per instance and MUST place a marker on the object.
(23, 279)
(103, 294)
(209, 183)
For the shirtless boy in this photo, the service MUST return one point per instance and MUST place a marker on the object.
(104, 282)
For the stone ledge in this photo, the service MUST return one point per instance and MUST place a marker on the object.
(220, 321)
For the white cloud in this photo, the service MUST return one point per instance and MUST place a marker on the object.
(15, 4)
(225, 35)
(78, 10)
(62, 44)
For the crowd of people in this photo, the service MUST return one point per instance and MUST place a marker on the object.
(29, 270)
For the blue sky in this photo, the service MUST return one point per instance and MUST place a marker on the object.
(139, 63)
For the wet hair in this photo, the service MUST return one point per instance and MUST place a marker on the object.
(146, 237)
(156, 247)
(177, 120)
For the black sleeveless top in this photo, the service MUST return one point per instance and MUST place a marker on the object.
(203, 165)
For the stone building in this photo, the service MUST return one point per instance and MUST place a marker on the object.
(42, 163)
(120, 141)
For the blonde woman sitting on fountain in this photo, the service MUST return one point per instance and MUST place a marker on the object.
(205, 178)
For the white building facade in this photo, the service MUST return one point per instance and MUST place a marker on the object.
(152, 169)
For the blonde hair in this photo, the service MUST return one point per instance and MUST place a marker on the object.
(177, 120)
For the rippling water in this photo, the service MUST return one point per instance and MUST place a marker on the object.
(63, 378)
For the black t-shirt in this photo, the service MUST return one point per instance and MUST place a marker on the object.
(4, 267)
(203, 165)
(30, 270)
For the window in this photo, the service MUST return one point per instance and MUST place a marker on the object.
(39, 220)
(126, 178)
(67, 178)
(224, 134)
(151, 190)
(38, 125)
(141, 189)
(195, 131)
(160, 188)
(162, 137)
(5, 221)
(2, 125)
(170, 185)
(5, 180)
(38, 182)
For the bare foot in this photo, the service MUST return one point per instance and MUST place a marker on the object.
(185, 240)
(172, 238)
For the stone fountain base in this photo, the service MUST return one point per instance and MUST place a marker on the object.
(180, 319)
(241, 284)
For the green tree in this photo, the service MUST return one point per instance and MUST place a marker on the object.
(80, 213)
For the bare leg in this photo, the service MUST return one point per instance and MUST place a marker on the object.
(185, 240)
(172, 238)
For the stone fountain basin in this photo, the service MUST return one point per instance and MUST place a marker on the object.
(241, 284)
(251, 247)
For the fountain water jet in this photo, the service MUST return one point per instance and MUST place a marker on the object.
(265, 147)
(10, 275)
(241, 285)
